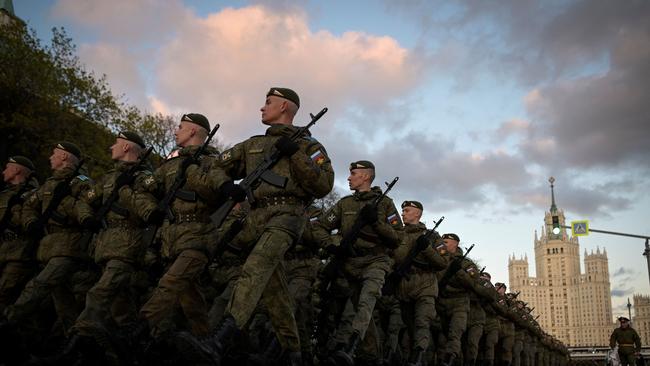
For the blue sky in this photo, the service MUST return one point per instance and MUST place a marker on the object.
(473, 105)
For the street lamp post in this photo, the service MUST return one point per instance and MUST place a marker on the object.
(629, 310)
(646, 253)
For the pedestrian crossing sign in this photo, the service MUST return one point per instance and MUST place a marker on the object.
(580, 228)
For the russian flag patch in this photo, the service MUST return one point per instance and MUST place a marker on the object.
(392, 219)
(318, 157)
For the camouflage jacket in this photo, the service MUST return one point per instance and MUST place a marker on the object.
(380, 235)
(63, 227)
(457, 283)
(196, 200)
(122, 237)
(14, 244)
(428, 259)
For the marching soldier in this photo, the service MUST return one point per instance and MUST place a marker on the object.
(58, 210)
(476, 319)
(16, 248)
(118, 248)
(628, 341)
(417, 293)
(276, 218)
(507, 326)
(365, 271)
(491, 328)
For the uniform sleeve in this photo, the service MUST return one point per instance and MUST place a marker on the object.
(75, 205)
(232, 162)
(313, 169)
(612, 339)
(32, 208)
(389, 224)
(137, 199)
(327, 221)
(637, 342)
(309, 238)
(438, 263)
(206, 178)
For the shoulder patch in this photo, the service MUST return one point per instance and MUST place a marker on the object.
(393, 219)
(318, 157)
(82, 178)
(149, 180)
(91, 194)
(331, 217)
(226, 155)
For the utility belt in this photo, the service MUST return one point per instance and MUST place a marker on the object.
(376, 250)
(278, 201)
(120, 223)
(301, 255)
(191, 217)
(626, 344)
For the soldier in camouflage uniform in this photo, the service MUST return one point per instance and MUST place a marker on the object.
(367, 270)
(628, 341)
(118, 248)
(477, 316)
(453, 302)
(491, 328)
(518, 345)
(506, 325)
(417, 293)
(16, 248)
(276, 219)
(185, 240)
(59, 249)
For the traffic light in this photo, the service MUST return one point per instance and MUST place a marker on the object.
(556, 225)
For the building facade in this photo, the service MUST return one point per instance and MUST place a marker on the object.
(575, 307)
(641, 318)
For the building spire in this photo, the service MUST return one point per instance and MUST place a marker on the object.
(553, 206)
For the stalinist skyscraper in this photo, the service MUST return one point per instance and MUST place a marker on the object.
(575, 307)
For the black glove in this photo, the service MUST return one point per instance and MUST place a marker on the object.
(286, 146)
(35, 229)
(156, 218)
(232, 190)
(369, 214)
(124, 179)
(91, 224)
(422, 242)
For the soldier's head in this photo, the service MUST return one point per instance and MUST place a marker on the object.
(280, 106)
(501, 288)
(65, 155)
(625, 322)
(411, 212)
(486, 276)
(192, 130)
(17, 170)
(451, 241)
(362, 173)
(127, 147)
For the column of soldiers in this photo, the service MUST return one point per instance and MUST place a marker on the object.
(134, 268)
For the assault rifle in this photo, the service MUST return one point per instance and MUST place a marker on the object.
(454, 267)
(402, 271)
(333, 267)
(110, 202)
(61, 191)
(262, 173)
(165, 205)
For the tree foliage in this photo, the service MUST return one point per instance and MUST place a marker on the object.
(47, 95)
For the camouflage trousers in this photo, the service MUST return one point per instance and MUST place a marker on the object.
(454, 312)
(54, 281)
(370, 347)
(180, 286)
(109, 301)
(475, 328)
(506, 340)
(13, 277)
(417, 297)
(490, 338)
(224, 275)
(388, 316)
(263, 279)
(301, 274)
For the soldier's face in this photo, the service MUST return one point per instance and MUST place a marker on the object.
(183, 133)
(272, 109)
(411, 215)
(501, 290)
(57, 159)
(10, 172)
(118, 150)
(357, 178)
(625, 324)
(451, 245)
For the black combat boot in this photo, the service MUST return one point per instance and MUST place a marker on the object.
(416, 357)
(345, 357)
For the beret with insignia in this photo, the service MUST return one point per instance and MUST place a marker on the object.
(198, 119)
(69, 147)
(285, 93)
(451, 236)
(18, 159)
(131, 136)
(415, 204)
(362, 164)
